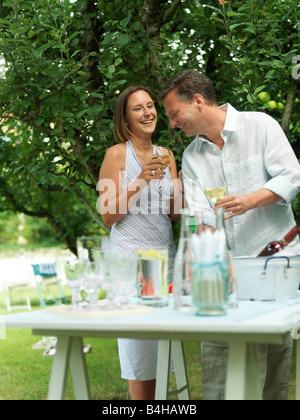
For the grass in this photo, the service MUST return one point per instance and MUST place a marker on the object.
(25, 373)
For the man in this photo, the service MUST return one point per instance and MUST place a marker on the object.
(248, 153)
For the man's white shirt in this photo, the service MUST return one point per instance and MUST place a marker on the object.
(256, 155)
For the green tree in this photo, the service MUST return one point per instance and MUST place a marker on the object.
(65, 61)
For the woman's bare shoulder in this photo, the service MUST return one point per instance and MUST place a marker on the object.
(114, 160)
(117, 150)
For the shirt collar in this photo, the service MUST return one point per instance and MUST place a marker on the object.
(232, 118)
(231, 123)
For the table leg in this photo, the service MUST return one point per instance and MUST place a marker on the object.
(59, 369)
(163, 369)
(180, 370)
(79, 370)
(298, 370)
(243, 382)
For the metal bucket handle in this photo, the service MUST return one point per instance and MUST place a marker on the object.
(273, 258)
(263, 274)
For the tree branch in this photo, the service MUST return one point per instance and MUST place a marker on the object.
(153, 19)
(288, 110)
(170, 12)
(17, 206)
(89, 164)
(72, 179)
(94, 215)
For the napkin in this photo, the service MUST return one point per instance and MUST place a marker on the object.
(208, 247)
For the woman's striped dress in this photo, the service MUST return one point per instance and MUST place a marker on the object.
(147, 224)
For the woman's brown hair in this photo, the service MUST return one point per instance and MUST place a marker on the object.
(121, 130)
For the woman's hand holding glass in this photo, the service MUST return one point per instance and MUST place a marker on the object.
(153, 169)
(163, 153)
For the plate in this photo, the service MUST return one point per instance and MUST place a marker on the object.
(131, 310)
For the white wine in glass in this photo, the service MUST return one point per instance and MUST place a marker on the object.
(216, 194)
(163, 153)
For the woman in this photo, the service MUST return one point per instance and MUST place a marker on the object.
(133, 188)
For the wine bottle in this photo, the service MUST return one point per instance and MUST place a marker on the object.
(276, 246)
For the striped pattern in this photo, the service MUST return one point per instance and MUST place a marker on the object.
(147, 224)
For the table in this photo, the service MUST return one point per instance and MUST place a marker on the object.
(252, 322)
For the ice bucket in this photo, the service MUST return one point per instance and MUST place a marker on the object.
(267, 278)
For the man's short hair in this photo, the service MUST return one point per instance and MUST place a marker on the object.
(188, 84)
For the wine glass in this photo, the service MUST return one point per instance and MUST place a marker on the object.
(86, 245)
(215, 189)
(91, 253)
(74, 271)
(94, 275)
(163, 153)
(216, 194)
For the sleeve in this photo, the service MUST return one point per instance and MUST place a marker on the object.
(281, 164)
(194, 193)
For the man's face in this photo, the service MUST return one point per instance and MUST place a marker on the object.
(183, 115)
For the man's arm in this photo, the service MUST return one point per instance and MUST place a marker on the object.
(240, 204)
(284, 170)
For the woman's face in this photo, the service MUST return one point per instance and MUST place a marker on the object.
(141, 115)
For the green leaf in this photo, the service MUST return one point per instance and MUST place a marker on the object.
(259, 89)
(124, 22)
(232, 14)
(251, 30)
(123, 39)
(40, 121)
(97, 95)
(232, 27)
(250, 98)
(75, 53)
(81, 113)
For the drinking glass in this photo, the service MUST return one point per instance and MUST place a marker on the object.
(216, 194)
(91, 253)
(123, 275)
(86, 245)
(153, 284)
(74, 271)
(94, 275)
(162, 152)
(215, 189)
(210, 288)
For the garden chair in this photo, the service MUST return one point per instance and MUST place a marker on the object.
(45, 276)
(15, 281)
(8, 292)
